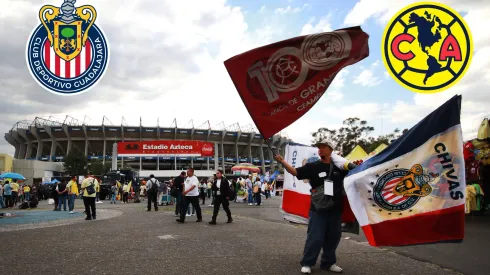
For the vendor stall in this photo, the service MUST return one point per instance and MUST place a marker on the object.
(477, 169)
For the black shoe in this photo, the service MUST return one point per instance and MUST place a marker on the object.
(94, 218)
(179, 221)
(156, 209)
(149, 210)
(230, 220)
(199, 220)
(212, 222)
(88, 218)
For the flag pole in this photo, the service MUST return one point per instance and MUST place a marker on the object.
(268, 145)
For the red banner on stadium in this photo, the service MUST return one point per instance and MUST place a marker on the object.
(188, 148)
(279, 83)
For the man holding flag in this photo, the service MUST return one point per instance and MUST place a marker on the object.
(324, 227)
(281, 82)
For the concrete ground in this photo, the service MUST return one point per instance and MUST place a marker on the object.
(129, 240)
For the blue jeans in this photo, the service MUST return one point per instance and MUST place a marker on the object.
(71, 201)
(2, 204)
(113, 198)
(250, 196)
(62, 199)
(27, 196)
(324, 232)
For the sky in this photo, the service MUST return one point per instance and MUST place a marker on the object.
(167, 62)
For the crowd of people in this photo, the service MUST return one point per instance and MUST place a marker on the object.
(12, 193)
(324, 227)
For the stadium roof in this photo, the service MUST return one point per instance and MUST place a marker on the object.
(71, 121)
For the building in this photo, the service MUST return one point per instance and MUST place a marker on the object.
(6, 163)
(49, 140)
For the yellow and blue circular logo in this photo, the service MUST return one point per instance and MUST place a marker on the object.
(427, 47)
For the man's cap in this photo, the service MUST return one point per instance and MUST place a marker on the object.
(326, 141)
(182, 173)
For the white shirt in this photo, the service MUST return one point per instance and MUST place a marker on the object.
(218, 183)
(189, 182)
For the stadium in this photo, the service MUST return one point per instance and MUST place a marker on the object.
(50, 140)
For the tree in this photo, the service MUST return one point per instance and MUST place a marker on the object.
(96, 167)
(107, 166)
(75, 163)
(354, 131)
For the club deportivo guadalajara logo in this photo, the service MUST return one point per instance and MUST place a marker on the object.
(400, 189)
(427, 47)
(67, 53)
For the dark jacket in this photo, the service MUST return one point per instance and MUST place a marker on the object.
(179, 183)
(224, 187)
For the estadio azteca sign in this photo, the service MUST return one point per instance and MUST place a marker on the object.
(187, 148)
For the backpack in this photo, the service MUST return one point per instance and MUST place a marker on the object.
(154, 186)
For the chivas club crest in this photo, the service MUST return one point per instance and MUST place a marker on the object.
(67, 53)
(400, 189)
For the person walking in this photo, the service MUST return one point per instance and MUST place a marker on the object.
(72, 187)
(126, 190)
(27, 192)
(89, 186)
(7, 193)
(62, 195)
(191, 196)
(267, 190)
(258, 191)
(152, 186)
(113, 193)
(15, 191)
(221, 188)
(209, 188)
(324, 226)
(248, 183)
(179, 186)
(203, 191)
(2, 203)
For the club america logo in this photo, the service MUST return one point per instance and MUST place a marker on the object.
(67, 53)
(400, 189)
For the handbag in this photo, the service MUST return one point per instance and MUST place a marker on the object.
(320, 201)
(90, 188)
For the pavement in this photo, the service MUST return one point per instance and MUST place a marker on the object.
(130, 240)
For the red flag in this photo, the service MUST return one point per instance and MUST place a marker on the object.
(279, 83)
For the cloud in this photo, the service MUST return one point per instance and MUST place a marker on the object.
(366, 111)
(339, 80)
(323, 25)
(289, 9)
(262, 9)
(383, 10)
(366, 78)
(334, 96)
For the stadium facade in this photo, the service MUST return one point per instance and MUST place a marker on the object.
(50, 140)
